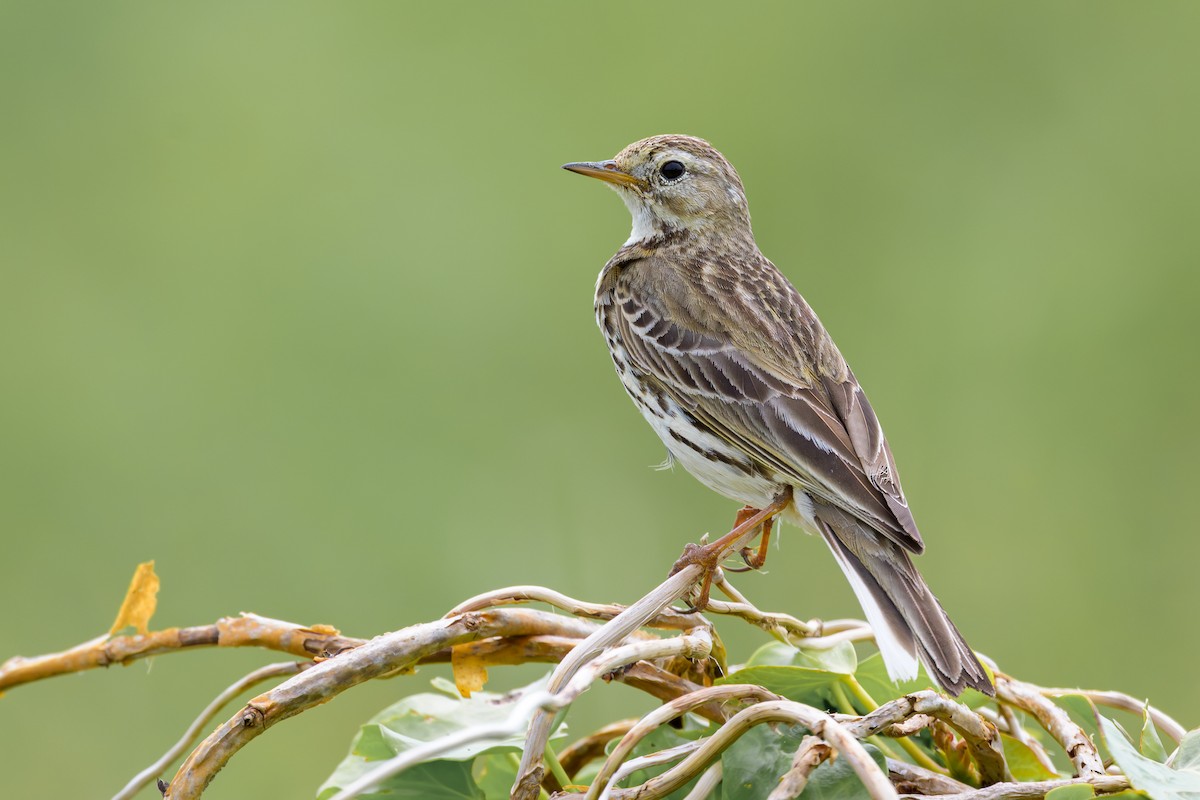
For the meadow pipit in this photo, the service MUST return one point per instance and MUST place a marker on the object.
(736, 375)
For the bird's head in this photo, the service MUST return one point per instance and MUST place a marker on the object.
(672, 183)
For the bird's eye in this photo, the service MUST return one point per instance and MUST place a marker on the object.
(672, 170)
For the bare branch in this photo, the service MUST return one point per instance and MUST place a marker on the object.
(913, 779)
(591, 747)
(674, 669)
(248, 630)
(529, 773)
(669, 618)
(813, 633)
(809, 755)
(1058, 723)
(1104, 784)
(914, 724)
(1128, 703)
(982, 738)
(510, 650)
(816, 721)
(695, 644)
(383, 655)
(1018, 732)
(143, 778)
(647, 791)
(667, 686)
(516, 722)
(668, 711)
(707, 783)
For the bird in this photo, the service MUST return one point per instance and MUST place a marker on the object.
(735, 373)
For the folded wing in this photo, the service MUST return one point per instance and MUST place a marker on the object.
(817, 431)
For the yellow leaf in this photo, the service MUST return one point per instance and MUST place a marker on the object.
(469, 672)
(140, 601)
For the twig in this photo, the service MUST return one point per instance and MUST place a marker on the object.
(677, 585)
(512, 725)
(981, 736)
(918, 755)
(707, 783)
(789, 628)
(859, 634)
(695, 644)
(809, 755)
(669, 618)
(817, 722)
(782, 624)
(912, 779)
(1104, 784)
(583, 751)
(667, 712)
(529, 773)
(1128, 703)
(1018, 732)
(248, 630)
(813, 633)
(1058, 723)
(666, 668)
(510, 650)
(143, 778)
(383, 655)
(667, 686)
(667, 756)
(898, 730)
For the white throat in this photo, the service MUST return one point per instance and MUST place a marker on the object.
(645, 225)
(643, 220)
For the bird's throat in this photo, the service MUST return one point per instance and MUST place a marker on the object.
(645, 224)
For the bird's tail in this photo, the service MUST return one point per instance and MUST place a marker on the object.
(908, 621)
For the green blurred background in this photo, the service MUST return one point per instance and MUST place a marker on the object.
(295, 300)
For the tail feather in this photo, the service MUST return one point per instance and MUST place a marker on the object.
(908, 621)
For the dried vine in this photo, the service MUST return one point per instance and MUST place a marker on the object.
(595, 642)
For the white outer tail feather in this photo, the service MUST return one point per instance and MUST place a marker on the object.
(899, 659)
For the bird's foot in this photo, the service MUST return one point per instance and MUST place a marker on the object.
(709, 562)
(709, 557)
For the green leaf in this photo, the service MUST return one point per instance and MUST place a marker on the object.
(1149, 744)
(1076, 791)
(840, 658)
(422, 718)
(433, 780)
(773, 654)
(494, 774)
(1024, 764)
(1187, 755)
(754, 764)
(802, 684)
(873, 676)
(1157, 780)
(806, 675)
(1081, 710)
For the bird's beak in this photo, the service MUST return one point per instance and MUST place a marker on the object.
(607, 171)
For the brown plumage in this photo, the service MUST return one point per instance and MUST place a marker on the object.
(735, 373)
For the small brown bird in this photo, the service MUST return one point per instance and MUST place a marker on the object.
(736, 375)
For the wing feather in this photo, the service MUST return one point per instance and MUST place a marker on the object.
(821, 434)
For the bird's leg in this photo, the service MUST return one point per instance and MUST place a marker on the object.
(744, 513)
(710, 556)
(755, 560)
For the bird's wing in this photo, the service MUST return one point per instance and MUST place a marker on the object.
(820, 432)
